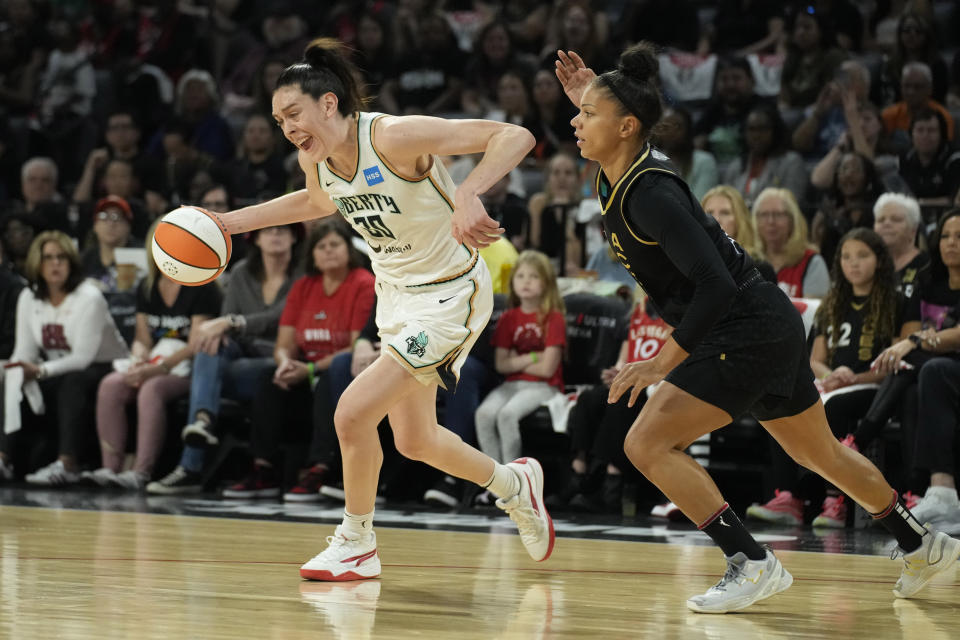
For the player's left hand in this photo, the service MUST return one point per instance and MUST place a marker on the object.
(472, 226)
(636, 376)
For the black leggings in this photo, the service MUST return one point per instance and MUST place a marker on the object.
(939, 396)
(69, 401)
(599, 428)
(278, 414)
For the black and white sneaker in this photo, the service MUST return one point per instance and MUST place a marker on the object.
(445, 493)
(199, 433)
(177, 482)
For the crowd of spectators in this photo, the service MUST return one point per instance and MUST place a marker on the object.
(800, 126)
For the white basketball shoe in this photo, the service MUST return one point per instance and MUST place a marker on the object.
(744, 583)
(937, 553)
(344, 559)
(528, 510)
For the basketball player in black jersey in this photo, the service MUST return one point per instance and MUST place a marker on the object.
(738, 345)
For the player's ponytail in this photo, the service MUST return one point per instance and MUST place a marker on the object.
(634, 85)
(326, 69)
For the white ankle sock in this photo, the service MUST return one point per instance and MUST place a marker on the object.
(504, 482)
(356, 527)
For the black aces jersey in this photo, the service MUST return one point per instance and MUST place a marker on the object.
(688, 266)
(857, 344)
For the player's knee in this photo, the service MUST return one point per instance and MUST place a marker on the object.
(348, 422)
(639, 451)
(806, 457)
(412, 444)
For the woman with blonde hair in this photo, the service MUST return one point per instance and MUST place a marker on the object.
(65, 342)
(729, 209)
(782, 241)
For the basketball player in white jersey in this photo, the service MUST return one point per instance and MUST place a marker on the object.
(383, 174)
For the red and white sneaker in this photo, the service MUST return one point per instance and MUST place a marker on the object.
(783, 509)
(528, 510)
(834, 513)
(344, 559)
(668, 511)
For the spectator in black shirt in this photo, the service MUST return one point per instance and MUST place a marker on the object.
(738, 345)
(931, 168)
(258, 170)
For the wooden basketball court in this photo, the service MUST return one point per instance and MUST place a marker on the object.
(100, 574)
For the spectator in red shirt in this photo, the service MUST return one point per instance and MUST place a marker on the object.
(529, 341)
(325, 312)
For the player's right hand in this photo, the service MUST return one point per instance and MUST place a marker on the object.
(472, 226)
(574, 75)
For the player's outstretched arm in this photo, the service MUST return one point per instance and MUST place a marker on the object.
(503, 146)
(574, 75)
(299, 206)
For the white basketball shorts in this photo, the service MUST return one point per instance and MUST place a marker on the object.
(429, 329)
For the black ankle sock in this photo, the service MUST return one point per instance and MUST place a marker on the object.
(902, 524)
(725, 528)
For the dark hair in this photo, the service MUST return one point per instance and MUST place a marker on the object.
(634, 84)
(882, 300)
(322, 229)
(254, 257)
(121, 111)
(779, 133)
(178, 126)
(900, 56)
(938, 270)
(828, 34)
(482, 34)
(872, 183)
(925, 113)
(734, 62)
(326, 69)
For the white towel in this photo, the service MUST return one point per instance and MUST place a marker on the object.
(14, 389)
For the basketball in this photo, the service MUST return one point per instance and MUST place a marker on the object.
(191, 246)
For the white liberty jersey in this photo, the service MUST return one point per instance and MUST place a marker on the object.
(405, 222)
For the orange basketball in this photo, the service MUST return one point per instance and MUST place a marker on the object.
(191, 246)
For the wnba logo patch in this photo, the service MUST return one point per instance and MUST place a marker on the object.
(372, 175)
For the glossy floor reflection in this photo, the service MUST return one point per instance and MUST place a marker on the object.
(98, 574)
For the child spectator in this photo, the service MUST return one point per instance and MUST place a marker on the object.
(529, 341)
(861, 315)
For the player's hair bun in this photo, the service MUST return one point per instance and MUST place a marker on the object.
(322, 53)
(639, 62)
